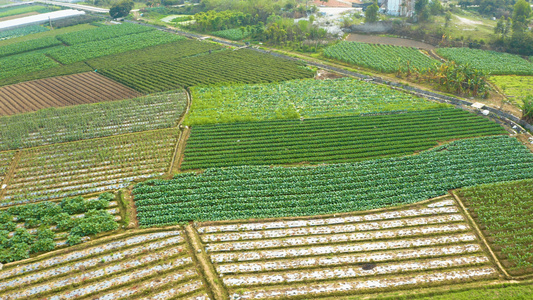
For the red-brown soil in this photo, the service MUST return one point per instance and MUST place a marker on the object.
(61, 91)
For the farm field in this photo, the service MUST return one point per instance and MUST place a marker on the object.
(61, 91)
(264, 192)
(331, 140)
(14, 33)
(231, 34)
(503, 211)
(382, 58)
(297, 99)
(89, 166)
(87, 121)
(42, 227)
(137, 265)
(492, 63)
(164, 52)
(246, 66)
(22, 9)
(514, 87)
(422, 245)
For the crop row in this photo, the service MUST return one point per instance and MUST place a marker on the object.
(383, 58)
(328, 140)
(102, 33)
(369, 253)
(163, 52)
(86, 121)
(24, 63)
(158, 261)
(504, 211)
(27, 46)
(81, 52)
(491, 62)
(244, 65)
(18, 10)
(89, 166)
(297, 99)
(258, 192)
(18, 32)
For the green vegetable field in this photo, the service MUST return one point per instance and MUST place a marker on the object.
(102, 33)
(493, 63)
(264, 192)
(331, 140)
(246, 66)
(504, 212)
(383, 58)
(18, 32)
(297, 99)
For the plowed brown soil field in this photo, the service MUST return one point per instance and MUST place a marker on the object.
(60, 91)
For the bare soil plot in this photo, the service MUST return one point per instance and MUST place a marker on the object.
(420, 245)
(61, 91)
(374, 39)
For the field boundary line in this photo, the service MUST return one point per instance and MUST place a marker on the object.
(10, 172)
(209, 276)
(481, 236)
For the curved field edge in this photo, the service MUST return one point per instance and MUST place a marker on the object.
(265, 192)
(329, 140)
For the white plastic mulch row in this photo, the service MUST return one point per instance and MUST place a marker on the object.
(329, 221)
(90, 262)
(367, 284)
(337, 238)
(175, 291)
(353, 272)
(325, 261)
(122, 279)
(337, 249)
(148, 285)
(68, 257)
(133, 264)
(277, 233)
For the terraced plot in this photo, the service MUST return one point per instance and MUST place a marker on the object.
(411, 247)
(142, 265)
(332, 140)
(89, 166)
(87, 121)
(61, 91)
(246, 66)
(263, 192)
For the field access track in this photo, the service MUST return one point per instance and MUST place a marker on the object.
(61, 91)
(421, 245)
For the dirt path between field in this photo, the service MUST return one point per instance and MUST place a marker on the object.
(468, 21)
(19, 16)
(214, 284)
(185, 132)
(374, 39)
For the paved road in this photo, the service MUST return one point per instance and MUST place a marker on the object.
(76, 6)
